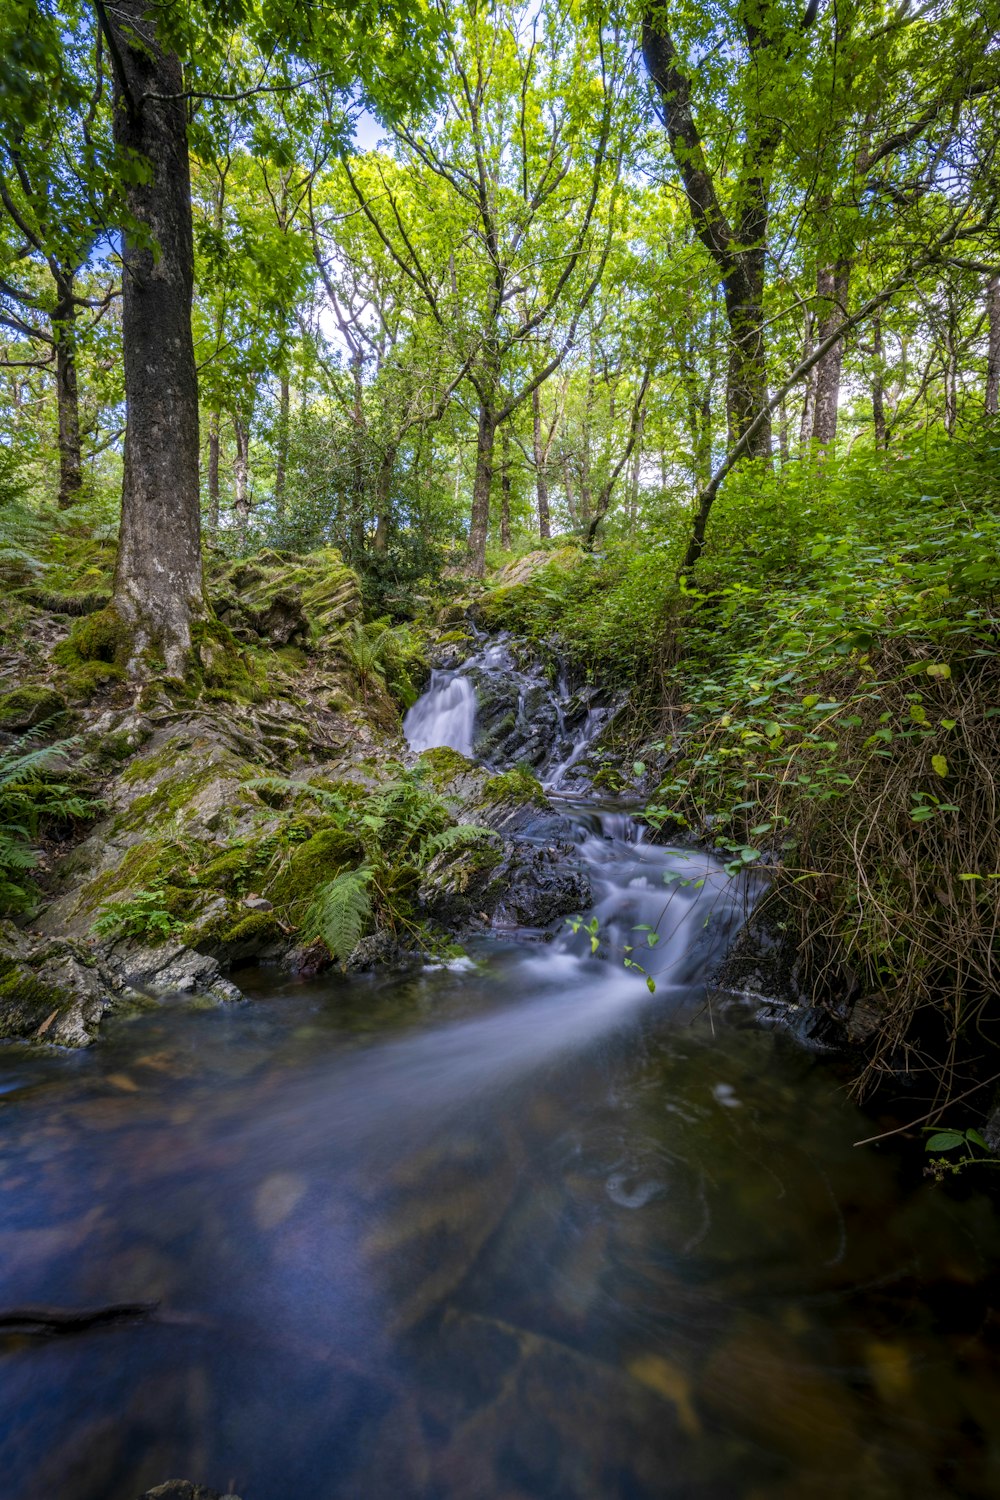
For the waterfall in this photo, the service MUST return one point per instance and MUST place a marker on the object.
(503, 713)
(445, 715)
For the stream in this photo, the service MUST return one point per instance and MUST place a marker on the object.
(513, 1228)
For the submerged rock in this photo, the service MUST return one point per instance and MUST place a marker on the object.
(183, 1489)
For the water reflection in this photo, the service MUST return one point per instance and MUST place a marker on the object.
(648, 1264)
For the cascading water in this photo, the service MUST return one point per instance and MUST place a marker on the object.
(506, 712)
(445, 715)
(664, 912)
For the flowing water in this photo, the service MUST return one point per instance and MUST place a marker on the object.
(514, 1229)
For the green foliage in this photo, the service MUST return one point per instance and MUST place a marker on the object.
(339, 911)
(975, 1152)
(144, 914)
(37, 790)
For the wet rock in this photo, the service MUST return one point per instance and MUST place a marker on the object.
(541, 884)
(171, 969)
(183, 1489)
(507, 883)
(52, 989)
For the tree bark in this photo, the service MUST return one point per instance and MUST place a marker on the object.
(992, 402)
(241, 478)
(588, 409)
(67, 395)
(281, 455)
(809, 384)
(832, 287)
(568, 489)
(159, 589)
(738, 249)
(878, 385)
(505, 485)
(213, 471)
(383, 500)
(479, 521)
(541, 476)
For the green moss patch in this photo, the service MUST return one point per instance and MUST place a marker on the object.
(27, 706)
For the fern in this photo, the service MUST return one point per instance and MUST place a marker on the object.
(340, 910)
(282, 787)
(30, 793)
(450, 838)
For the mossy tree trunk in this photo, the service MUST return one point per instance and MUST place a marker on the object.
(482, 488)
(159, 590)
(992, 402)
(67, 393)
(832, 288)
(541, 466)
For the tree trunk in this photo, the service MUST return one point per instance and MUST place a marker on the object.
(568, 490)
(383, 499)
(241, 479)
(878, 385)
(746, 380)
(505, 483)
(993, 354)
(213, 471)
(541, 477)
(832, 286)
(159, 589)
(67, 395)
(809, 385)
(633, 494)
(588, 407)
(482, 487)
(281, 454)
(951, 368)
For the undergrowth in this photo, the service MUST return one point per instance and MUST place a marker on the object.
(823, 700)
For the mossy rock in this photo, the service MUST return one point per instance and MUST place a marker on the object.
(101, 637)
(444, 765)
(517, 785)
(610, 779)
(25, 707)
(82, 682)
(310, 864)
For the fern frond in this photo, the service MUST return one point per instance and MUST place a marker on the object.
(340, 910)
(458, 833)
(290, 786)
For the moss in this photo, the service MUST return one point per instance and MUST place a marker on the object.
(228, 673)
(161, 760)
(111, 749)
(101, 637)
(443, 765)
(319, 859)
(517, 785)
(610, 779)
(21, 988)
(256, 928)
(76, 602)
(27, 706)
(81, 682)
(151, 863)
(233, 870)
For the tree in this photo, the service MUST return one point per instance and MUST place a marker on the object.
(53, 207)
(530, 212)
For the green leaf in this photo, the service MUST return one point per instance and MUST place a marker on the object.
(940, 764)
(939, 669)
(945, 1140)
